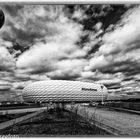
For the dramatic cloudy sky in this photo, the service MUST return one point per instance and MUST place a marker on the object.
(96, 43)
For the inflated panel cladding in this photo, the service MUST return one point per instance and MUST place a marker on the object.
(58, 90)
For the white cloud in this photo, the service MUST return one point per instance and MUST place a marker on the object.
(97, 75)
(43, 56)
(21, 85)
(121, 44)
(39, 77)
(98, 26)
(125, 35)
(127, 83)
(52, 38)
(128, 33)
(79, 14)
(87, 74)
(67, 69)
(98, 62)
(6, 44)
(111, 48)
(137, 77)
(21, 75)
(5, 86)
(110, 81)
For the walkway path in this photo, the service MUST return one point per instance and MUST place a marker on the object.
(128, 124)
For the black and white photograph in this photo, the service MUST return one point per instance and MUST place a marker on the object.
(69, 69)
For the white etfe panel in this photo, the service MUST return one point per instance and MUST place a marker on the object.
(59, 90)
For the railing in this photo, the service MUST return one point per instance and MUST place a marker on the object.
(6, 124)
(19, 111)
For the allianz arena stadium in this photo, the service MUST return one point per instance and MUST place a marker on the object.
(59, 91)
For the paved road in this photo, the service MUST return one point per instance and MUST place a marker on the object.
(126, 122)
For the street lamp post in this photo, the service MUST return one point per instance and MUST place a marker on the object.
(102, 94)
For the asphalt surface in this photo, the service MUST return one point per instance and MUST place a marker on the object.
(127, 123)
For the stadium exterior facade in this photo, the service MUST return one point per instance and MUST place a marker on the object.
(59, 91)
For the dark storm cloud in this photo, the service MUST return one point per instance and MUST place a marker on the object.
(63, 75)
(12, 9)
(26, 23)
(21, 77)
(59, 44)
(106, 54)
(116, 86)
(5, 86)
(25, 36)
(7, 62)
(118, 45)
(117, 52)
(128, 67)
(7, 76)
(99, 20)
(96, 76)
(97, 43)
(107, 14)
